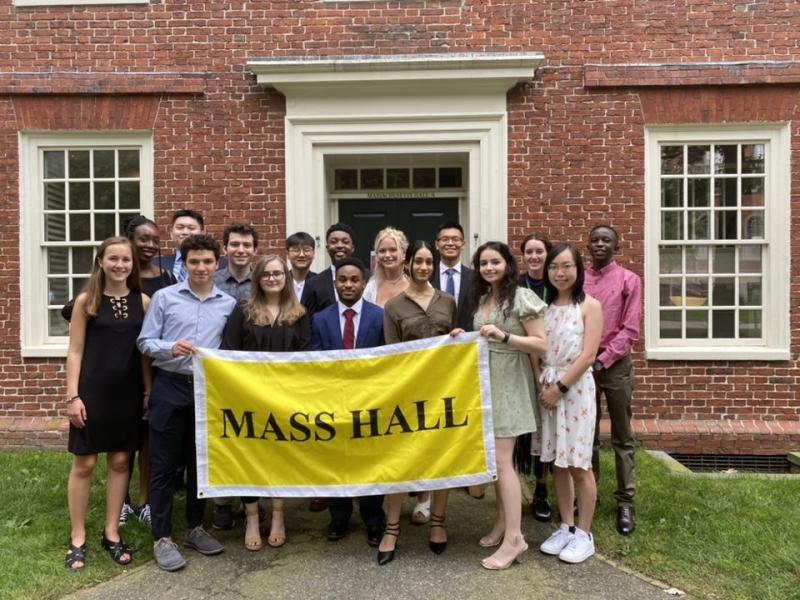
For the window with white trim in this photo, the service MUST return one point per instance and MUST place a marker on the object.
(717, 242)
(76, 191)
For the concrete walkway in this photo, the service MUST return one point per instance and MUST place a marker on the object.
(309, 566)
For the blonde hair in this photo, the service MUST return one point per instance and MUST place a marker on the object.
(255, 307)
(399, 238)
(97, 280)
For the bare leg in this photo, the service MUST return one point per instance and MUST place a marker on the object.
(439, 508)
(566, 495)
(252, 532)
(495, 536)
(394, 505)
(116, 490)
(586, 488)
(277, 527)
(511, 500)
(79, 486)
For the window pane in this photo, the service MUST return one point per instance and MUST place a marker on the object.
(343, 179)
(123, 219)
(724, 291)
(753, 224)
(750, 323)
(104, 163)
(129, 163)
(750, 291)
(670, 291)
(725, 225)
(671, 160)
(697, 259)
(57, 260)
(54, 196)
(424, 178)
(55, 228)
(78, 285)
(80, 228)
(58, 290)
(698, 225)
(398, 178)
(699, 192)
(56, 323)
(750, 259)
(724, 259)
(670, 324)
(450, 177)
(725, 159)
(725, 192)
(752, 158)
(371, 179)
(723, 323)
(672, 193)
(54, 164)
(104, 226)
(79, 195)
(82, 259)
(79, 164)
(672, 225)
(699, 159)
(129, 194)
(696, 291)
(669, 259)
(697, 324)
(752, 191)
(104, 195)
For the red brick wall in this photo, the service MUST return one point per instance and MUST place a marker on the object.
(575, 131)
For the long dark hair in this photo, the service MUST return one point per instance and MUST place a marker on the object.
(508, 286)
(412, 250)
(578, 295)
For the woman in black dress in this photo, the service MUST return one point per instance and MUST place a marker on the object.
(144, 234)
(271, 320)
(107, 387)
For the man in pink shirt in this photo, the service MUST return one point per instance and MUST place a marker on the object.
(619, 292)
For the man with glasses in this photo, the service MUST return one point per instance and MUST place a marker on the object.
(451, 276)
(300, 249)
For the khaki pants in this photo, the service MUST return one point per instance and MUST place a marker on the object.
(616, 384)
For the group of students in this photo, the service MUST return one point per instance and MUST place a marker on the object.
(551, 346)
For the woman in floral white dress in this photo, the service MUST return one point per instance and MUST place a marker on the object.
(573, 325)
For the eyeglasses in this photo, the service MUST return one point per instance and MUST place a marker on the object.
(450, 240)
(273, 275)
(301, 250)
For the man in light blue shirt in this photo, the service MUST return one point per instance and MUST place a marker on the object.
(188, 315)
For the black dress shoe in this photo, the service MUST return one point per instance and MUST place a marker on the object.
(625, 521)
(541, 508)
(337, 531)
(223, 518)
(437, 522)
(374, 535)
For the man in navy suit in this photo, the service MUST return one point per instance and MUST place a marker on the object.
(319, 292)
(451, 276)
(351, 322)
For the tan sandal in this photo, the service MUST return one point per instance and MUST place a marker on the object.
(252, 532)
(276, 539)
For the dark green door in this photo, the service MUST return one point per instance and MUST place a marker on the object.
(418, 218)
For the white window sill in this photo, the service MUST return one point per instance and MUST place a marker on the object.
(718, 354)
(44, 351)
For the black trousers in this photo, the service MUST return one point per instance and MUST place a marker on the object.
(171, 420)
(370, 507)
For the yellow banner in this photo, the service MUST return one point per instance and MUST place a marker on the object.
(403, 417)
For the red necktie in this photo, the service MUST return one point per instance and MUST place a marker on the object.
(349, 337)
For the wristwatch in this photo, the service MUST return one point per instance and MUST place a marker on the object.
(561, 387)
(597, 366)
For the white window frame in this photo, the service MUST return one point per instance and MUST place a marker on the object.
(776, 258)
(36, 341)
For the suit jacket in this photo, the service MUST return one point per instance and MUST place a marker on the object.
(326, 331)
(464, 316)
(318, 292)
(309, 276)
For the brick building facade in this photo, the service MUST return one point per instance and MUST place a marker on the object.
(675, 121)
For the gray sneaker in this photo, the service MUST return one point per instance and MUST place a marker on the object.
(167, 555)
(199, 539)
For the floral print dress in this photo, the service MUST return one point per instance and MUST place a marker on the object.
(567, 430)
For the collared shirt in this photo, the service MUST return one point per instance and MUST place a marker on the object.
(358, 307)
(405, 320)
(619, 292)
(240, 290)
(177, 313)
(456, 278)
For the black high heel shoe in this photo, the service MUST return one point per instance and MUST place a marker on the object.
(388, 556)
(437, 547)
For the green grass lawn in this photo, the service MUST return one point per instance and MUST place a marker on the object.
(719, 538)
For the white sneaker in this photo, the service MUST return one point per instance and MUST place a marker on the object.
(126, 512)
(558, 541)
(580, 547)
